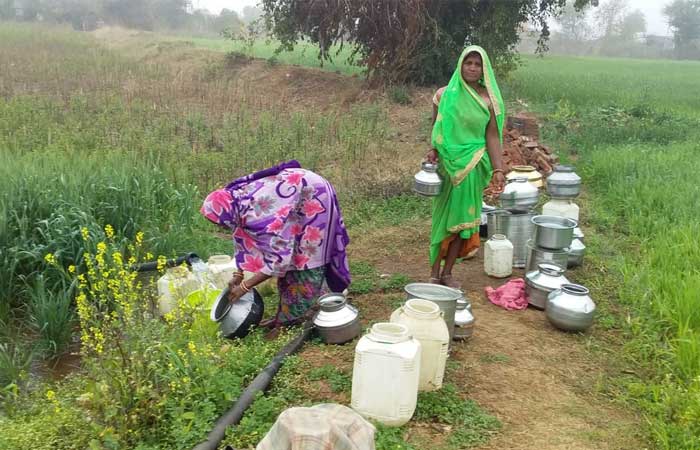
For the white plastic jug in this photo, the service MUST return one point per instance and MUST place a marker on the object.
(385, 374)
(174, 285)
(498, 256)
(561, 208)
(221, 270)
(424, 321)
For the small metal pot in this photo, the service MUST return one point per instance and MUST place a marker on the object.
(518, 193)
(578, 234)
(236, 319)
(337, 321)
(539, 283)
(445, 297)
(576, 252)
(427, 182)
(570, 308)
(553, 232)
(563, 182)
(464, 321)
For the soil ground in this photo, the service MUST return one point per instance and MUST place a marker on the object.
(543, 385)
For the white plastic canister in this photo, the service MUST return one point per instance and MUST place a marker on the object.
(424, 321)
(561, 208)
(385, 374)
(220, 270)
(174, 285)
(498, 256)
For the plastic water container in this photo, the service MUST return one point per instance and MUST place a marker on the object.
(385, 374)
(561, 208)
(175, 284)
(424, 321)
(498, 256)
(220, 270)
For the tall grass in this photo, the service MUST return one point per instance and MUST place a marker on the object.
(633, 125)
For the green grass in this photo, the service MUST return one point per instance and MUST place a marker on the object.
(304, 54)
(634, 128)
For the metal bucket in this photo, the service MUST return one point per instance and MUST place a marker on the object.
(517, 225)
(445, 297)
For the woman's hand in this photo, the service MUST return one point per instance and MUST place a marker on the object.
(432, 156)
(235, 293)
(499, 182)
(235, 280)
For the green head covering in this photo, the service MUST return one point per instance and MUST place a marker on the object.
(459, 130)
(459, 135)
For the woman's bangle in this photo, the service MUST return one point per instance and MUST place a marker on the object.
(244, 287)
(497, 170)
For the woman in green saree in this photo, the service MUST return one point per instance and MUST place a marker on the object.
(468, 116)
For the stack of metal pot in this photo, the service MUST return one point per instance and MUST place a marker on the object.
(550, 241)
(563, 186)
(514, 218)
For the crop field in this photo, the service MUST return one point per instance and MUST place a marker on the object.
(110, 140)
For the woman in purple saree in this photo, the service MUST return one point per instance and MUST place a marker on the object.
(286, 223)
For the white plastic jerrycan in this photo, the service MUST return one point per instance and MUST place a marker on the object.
(220, 270)
(424, 321)
(385, 374)
(174, 285)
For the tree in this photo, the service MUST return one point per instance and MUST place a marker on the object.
(684, 19)
(574, 22)
(609, 17)
(632, 25)
(410, 40)
(251, 14)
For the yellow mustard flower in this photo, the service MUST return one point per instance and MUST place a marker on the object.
(85, 233)
(109, 231)
(50, 258)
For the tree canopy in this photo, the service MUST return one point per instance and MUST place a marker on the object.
(411, 40)
(684, 18)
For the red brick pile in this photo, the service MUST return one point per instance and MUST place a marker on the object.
(521, 146)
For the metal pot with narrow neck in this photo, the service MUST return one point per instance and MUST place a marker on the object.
(571, 308)
(464, 321)
(541, 282)
(236, 319)
(563, 182)
(337, 321)
(427, 182)
(519, 193)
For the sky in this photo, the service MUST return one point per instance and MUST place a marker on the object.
(656, 22)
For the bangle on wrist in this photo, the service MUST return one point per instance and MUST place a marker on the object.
(497, 170)
(244, 287)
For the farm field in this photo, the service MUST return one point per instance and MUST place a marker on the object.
(110, 140)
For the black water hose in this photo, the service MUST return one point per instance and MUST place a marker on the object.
(259, 384)
(152, 266)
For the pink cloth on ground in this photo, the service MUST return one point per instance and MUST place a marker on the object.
(510, 296)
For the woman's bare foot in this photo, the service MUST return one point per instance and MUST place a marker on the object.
(434, 280)
(449, 281)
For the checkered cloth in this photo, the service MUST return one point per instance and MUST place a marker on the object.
(321, 427)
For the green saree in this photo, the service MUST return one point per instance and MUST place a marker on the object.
(459, 135)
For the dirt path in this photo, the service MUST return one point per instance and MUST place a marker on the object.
(539, 382)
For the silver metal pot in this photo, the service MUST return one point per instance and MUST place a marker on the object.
(337, 321)
(483, 227)
(445, 297)
(553, 232)
(517, 225)
(519, 193)
(570, 308)
(537, 255)
(427, 182)
(237, 318)
(541, 282)
(576, 252)
(578, 234)
(464, 321)
(563, 182)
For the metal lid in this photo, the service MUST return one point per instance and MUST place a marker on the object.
(577, 247)
(563, 168)
(432, 292)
